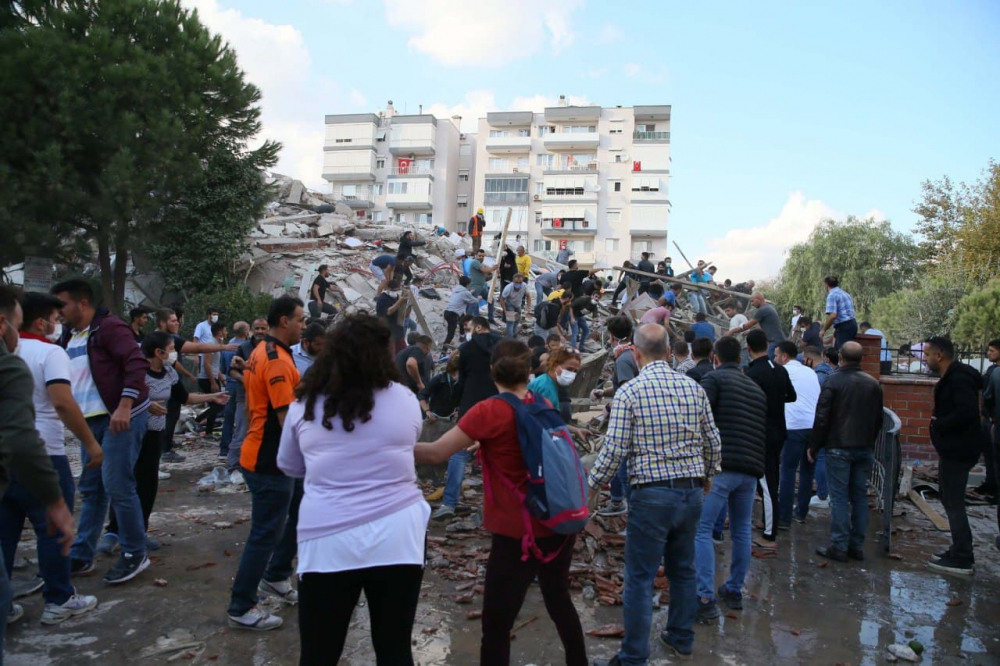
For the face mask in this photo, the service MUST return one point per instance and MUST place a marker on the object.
(215, 319)
(55, 334)
(566, 377)
(171, 358)
(468, 336)
(393, 294)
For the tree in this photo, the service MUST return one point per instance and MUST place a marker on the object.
(978, 316)
(870, 259)
(110, 109)
(913, 315)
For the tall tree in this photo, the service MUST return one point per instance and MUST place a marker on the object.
(111, 108)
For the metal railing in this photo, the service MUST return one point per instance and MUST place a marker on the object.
(411, 171)
(507, 168)
(884, 480)
(651, 136)
(910, 361)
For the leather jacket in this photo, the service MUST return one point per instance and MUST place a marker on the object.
(849, 412)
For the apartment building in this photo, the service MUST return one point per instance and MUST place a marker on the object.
(414, 170)
(589, 178)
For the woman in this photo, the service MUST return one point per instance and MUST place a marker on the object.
(363, 519)
(492, 423)
(508, 267)
(563, 365)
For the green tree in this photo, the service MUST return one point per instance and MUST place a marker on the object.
(912, 315)
(870, 259)
(110, 109)
(977, 316)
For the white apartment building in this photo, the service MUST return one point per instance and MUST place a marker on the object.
(404, 169)
(590, 178)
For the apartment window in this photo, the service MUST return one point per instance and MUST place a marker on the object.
(524, 132)
(546, 160)
(379, 164)
(542, 245)
(643, 185)
(465, 149)
(499, 164)
(615, 130)
(350, 191)
(564, 191)
(506, 190)
(645, 128)
(401, 218)
(397, 187)
(345, 140)
(617, 185)
(463, 175)
(499, 134)
(538, 217)
(377, 188)
(546, 129)
(580, 160)
(539, 189)
(614, 217)
(618, 158)
(611, 245)
(463, 203)
(523, 163)
(579, 129)
(425, 218)
(638, 247)
(588, 246)
(377, 216)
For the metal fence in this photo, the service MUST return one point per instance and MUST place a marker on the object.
(910, 360)
(886, 471)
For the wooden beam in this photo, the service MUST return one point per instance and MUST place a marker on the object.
(684, 283)
(500, 252)
(420, 315)
(939, 521)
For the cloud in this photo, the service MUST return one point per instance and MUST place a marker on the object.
(489, 32)
(476, 103)
(537, 103)
(597, 73)
(357, 98)
(632, 69)
(875, 214)
(610, 34)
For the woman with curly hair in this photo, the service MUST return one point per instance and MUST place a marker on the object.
(363, 520)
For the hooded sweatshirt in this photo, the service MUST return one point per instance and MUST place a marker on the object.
(474, 370)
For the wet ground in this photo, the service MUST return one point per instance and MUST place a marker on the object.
(796, 611)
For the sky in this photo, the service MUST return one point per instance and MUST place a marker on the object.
(784, 114)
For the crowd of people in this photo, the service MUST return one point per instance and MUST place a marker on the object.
(325, 423)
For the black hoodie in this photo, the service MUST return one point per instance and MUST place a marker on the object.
(955, 430)
(474, 370)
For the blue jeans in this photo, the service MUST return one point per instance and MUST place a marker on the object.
(619, 484)
(848, 471)
(113, 485)
(581, 331)
(19, 504)
(697, 302)
(793, 458)
(720, 522)
(735, 491)
(239, 434)
(489, 305)
(541, 292)
(454, 478)
(228, 420)
(512, 318)
(273, 540)
(662, 523)
(771, 346)
(822, 488)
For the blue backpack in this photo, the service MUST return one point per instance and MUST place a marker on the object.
(557, 486)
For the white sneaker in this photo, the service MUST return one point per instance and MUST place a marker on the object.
(255, 620)
(15, 613)
(78, 604)
(818, 503)
(443, 512)
(164, 476)
(282, 590)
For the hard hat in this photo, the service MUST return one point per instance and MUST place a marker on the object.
(480, 211)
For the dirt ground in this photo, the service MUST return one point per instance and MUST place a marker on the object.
(797, 610)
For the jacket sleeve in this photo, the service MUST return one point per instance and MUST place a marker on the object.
(790, 395)
(118, 340)
(965, 398)
(431, 387)
(21, 448)
(711, 385)
(821, 423)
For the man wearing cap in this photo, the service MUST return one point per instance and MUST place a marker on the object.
(477, 224)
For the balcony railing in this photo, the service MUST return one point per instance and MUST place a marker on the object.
(505, 197)
(411, 171)
(569, 227)
(507, 168)
(581, 167)
(416, 146)
(651, 136)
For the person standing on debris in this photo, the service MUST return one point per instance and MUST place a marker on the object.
(350, 434)
(737, 320)
(383, 267)
(545, 283)
(459, 302)
(412, 364)
(563, 364)
(523, 263)
(773, 379)
(305, 352)
(581, 305)
(138, 318)
(406, 244)
(671, 462)
(477, 226)
(549, 315)
(848, 420)
(625, 369)
(477, 274)
(575, 277)
(958, 439)
(439, 399)
(646, 266)
(839, 313)
(203, 333)
(55, 409)
(219, 334)
(767, 317)
(739, 407)
(668, 265)
(477, 385)
(513, 299)
(241, 330)
(270, 379)
(240, 423)
(317, 295)
(508, 267)
(702, 328)
(696, 297)
(799, 418)
(701, 354)
(564, 254)
(109, 385)
(387, 307)
(510, 570)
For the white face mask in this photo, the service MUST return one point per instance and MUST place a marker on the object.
(566, 377)
(171, 358)
(215, 319)
(394, 294)
(468, 336)
(56, 333)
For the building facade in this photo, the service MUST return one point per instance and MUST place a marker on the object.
(411, 170)
(593, 179)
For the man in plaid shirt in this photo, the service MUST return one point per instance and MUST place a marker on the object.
(662, 425)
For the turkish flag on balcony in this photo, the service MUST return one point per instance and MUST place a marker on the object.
(636, 166)
(404, 164)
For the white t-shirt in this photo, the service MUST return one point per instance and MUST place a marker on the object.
(49, 365)
(799, 415)
(84, 389)
(203, 333)
(737, 321)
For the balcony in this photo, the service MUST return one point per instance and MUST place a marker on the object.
(520, 198)
(651, 137)
(651, 112)
(412, 201)
(564, 227)
(396, 172)
(562, 114)
(507, 145)
(412, 146)
(649, 221)
(349, 173)
(562, 167)
(509, 118)
(359, 201)
(523, 170)
(572, 141)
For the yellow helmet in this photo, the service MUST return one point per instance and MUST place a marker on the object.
(480, 211)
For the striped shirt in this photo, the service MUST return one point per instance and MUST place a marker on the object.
(84, 389)
(839, 301)
(662, 424)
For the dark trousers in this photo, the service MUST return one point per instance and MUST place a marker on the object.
(316, 310)
(953, 477)
(147, 478)
(769, 488)
(327, 601)
(214, 409)
(845, 331)
(452, 319)
(507, 581)
(990, 455)
(847, 472)
(173, 416)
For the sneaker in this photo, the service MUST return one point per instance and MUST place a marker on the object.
(26, 587)
(129, 566)
(766, 544)
(784, 527)
(15, 613)
(707, 611)
(818, 503)
(107, 544)
(282, 590)
(151, 543)
(81, 568)
(443, 512)
(668, 642)
(164, 476)
(78, 604)
(856, 554)
(831, 553)
(614, 509)
(614, 661)
(255, 620)
(172, 457)
(952, 565)
(717, 538)
(734, 600)
(800, 521)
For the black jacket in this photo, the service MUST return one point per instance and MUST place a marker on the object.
(777, 386)
(740, 410)
(474, 370)
(701, 369)
(406, 246)
(849, 411)
(442, 394)
(955, 429)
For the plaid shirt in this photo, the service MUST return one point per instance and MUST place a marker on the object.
(839, 301)
(662, 423)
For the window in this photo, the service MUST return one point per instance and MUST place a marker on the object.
(499, 164)
(379, 164)
(397, 187)
(524, 132)
(377, 216)
(345, 140)
(465, 149)
(424, 218)
(506, 190)
(539, 189)
(401, 218)
(615, 130)
(378, 189)
(645, 128)
(423, 166)
(611, 245)
(645, 185)
(638, 247)
(614, 217)
(463, 203)
(380, 135)
(350, 191)
(546, 129)
(463, 175)
(499, 134)
(538, 217)
(542, 246)
(588, 246)
(564, 191)
(523, 163)
(545, 160)
(618, 158)
(618, 185)
(579, 129)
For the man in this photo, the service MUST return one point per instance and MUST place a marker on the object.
(109, 384)
(796, 314)
(671, 462)
(22, 451)
(839, 313)
(702, 328)
(270, 379)
(812, 357)
(885, 356)
(778, 388)
(799, 417)
(739, 408)
(513, 299)
(477, 225)
(809, 332)
(477, 275)
(701, 353)
(682, 357)
(991, 425)
(477, 382)
(848, 420)
(523, 263)
(241, 330)
(767, 318)
(412, 364)
(646, 266)
(203, 333)
(744, 288)
(54, 410)
(549, 315)
(625, 369)
(737, 320)
(563, 256)
(668, 267)
(671, 295)
(214, 381)
(580, 330)
(387, 306)
(138, 318)
(575, 277)
(695, 296)
(460, 301)
(545, 283)
(317, 294)
(383, 267)
(305, 352)
(260, 329)
(958, 439)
